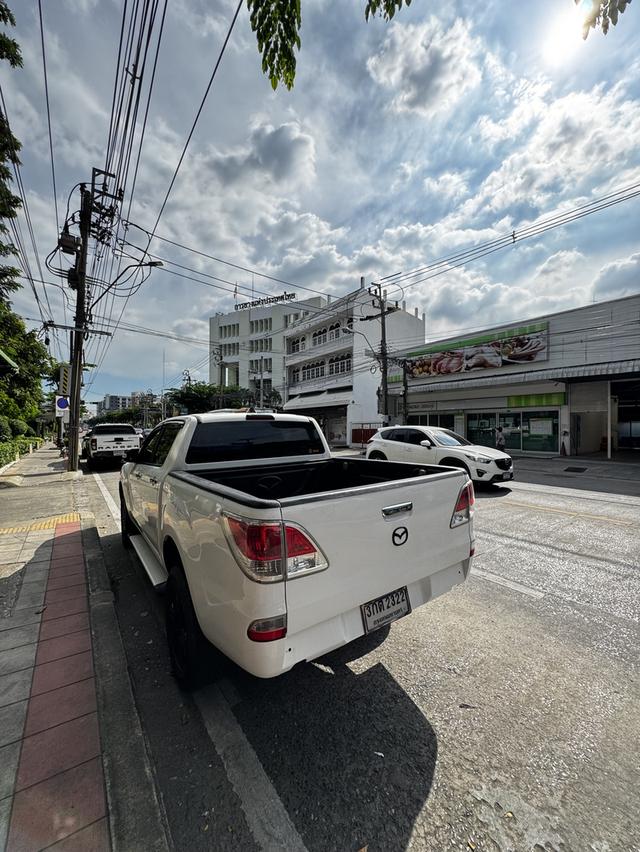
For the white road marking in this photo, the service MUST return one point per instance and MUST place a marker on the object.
(108, 499)
(266, 816)
(510, 584)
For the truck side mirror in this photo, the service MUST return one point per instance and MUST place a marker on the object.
(132, 455)
(426, 443)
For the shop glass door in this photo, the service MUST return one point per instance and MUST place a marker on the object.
(540, 431)
(481, 428)
(512, 430)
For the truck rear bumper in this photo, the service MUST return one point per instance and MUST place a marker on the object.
(269, 659)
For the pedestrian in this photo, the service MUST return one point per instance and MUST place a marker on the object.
(500, 442)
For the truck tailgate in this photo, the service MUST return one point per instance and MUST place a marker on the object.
(118, 443)
(366, 560)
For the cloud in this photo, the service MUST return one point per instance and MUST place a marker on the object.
(279, 154)
(617, 279)
(448, 185)
(429, 69)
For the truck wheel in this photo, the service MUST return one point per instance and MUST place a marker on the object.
(89, 463)
(378, 456)
(190, 653)
(127, 528)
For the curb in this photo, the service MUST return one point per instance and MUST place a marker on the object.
(136, 818)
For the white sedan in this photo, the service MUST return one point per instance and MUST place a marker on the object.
(432, 445)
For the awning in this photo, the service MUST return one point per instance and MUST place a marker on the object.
(319, 400)
(9, 361)
(558, 374)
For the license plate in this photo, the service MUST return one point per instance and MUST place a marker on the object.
(385, 609)
(507, 476)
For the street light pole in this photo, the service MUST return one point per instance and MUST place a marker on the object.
(80, 319)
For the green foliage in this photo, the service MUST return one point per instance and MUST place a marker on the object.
(9, 147)
(199, 397)
(21, 390)
(602, 14)
(5, 429)
(9, 450)
(277, 24)
(18, 427)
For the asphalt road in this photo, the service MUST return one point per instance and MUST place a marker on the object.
(503, 716)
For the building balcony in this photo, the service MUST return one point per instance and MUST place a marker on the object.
(331, 347)
(321, 384)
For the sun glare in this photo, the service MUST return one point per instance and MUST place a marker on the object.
(563, 37)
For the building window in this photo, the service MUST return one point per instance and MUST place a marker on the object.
(339, 364)
(295, 375)
(334, 331)
(298, 344)
(313, 370)
(319, 337)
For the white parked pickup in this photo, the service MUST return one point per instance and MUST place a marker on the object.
(274, 551)
(109, 442)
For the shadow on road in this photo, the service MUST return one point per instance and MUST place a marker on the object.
(486, 490)
(351, 756)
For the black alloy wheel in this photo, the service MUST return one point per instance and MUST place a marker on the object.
(190, 653)
(376, 455)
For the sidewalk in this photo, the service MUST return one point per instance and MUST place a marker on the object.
(54, 791)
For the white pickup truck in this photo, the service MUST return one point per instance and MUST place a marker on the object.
(109, 442)
(274, 551)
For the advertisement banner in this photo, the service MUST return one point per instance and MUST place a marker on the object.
(519, 346)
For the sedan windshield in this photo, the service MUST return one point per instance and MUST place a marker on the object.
(447, 438)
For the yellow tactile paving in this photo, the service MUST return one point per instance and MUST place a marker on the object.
(46, 524)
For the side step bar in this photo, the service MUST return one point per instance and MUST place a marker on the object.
(150, 563)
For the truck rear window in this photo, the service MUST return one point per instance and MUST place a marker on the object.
(113, 429)
(251, 439)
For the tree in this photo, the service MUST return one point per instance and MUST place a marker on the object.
(601, 14)
(277, 24)
(198, 397)
(9, 147)
(21, 389)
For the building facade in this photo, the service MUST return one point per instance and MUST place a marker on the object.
(247, 344)
(113, 402)
(332, 371)
(565, 383)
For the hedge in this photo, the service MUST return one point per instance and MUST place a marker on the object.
(19, 446)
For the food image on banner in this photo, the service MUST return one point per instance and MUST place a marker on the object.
(512, 346)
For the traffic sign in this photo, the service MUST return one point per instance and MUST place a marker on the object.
(62, 406)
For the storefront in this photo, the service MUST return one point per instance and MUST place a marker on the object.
(565, 383)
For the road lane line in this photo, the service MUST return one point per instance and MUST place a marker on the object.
(114, 509)
(510, 503)
(266, 816)
(510, 584)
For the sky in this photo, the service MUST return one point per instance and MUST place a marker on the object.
(401, 143)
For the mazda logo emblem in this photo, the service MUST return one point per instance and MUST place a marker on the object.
(400, 536)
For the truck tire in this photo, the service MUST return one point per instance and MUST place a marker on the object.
(89, 463)
(376, 455)
(127, 527)
(192, 656)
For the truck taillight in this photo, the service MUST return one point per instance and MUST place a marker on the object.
(269, 551)
(94, 444)
(463, 511)
(268, 629)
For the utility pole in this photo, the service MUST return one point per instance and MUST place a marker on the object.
(380, 302)
(405, 390)
(261, 381)
(80, 323)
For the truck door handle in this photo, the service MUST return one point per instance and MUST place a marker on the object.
(398, 509)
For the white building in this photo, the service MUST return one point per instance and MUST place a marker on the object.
(567, 382)
(247, 344)
(113, 402)
(331, 366)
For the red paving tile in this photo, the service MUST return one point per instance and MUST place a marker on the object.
(71, 552)
(65, 580)
(60, 705)
(74, 573)
(65, 566)
(59, 673)
(60, 610)
(57, 807)
(93, 838)
(57, 749)
(63, 646)
(62, 626)
(59, 595)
